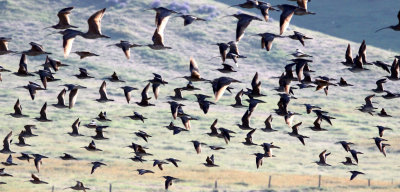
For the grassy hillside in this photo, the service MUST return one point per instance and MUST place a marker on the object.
(291, 168)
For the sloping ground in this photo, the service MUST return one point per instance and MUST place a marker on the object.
(291, 169)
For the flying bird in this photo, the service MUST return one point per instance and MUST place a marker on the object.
(94, 32)
(286, 16)
(126, 47)
(168, 181)
(394, 27)
(9, 161)
(145, 98)
(79, 187)
(354, 174)
(36, 180)
(38, 161)
(103, 93)
(220, 84)
(322, 159)
(210, 162)
(244, 21)
(189, 19)
(299, 36)
(36, 49)
(96, 164)
(267, 39)
(4, 46)
(6, 144)
(63, 19)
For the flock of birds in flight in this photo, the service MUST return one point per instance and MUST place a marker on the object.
(228, 50)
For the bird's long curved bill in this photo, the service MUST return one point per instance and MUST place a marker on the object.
(381, 29)
(225, 16)
(52, 33)
(46, 28)
(148, 9)
(213, 58)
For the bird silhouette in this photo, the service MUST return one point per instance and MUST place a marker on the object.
(175, 129)
(322, 159)
(210, 162)
(249, 138)
(83, 74)
(92, 147)
(189, 19)
(4, 46)
(393, 27)
(355, 154)
(259, 159)
(102, 116)
(249, 4)
(63, 19)
(348, 162)
(43, 114)
(159, 163)
(79, 187)
(381, 129)
(38, 160)
(142, 135)
(61, 99)
(127, 92)
(94, 32)
(178, 95)
(18, 110)
(354, 174)
(95, 165)
(23, 67)
(6, 144)
(345, 145)
(286, 16)
(299, 36)
(126, 47)
(244, 21)
(379, 86)
(245, 121)
(268, 125)
(168, 181)
(226, 68)
(265, 8)
(36, 180)
(21, 139)
(268, 149)
(28, 130)
(4, 174)
(145, 98)
(173, 161)
(24, 157)
(99, 133)
(203, 103)
(383, 113)
(197, 146)
(73, 93)
(220, 84)
(143, 171)
(68, 157)
(9, 161)
(103, 93)
(137, 116)
(115, 78)
(36, 49)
